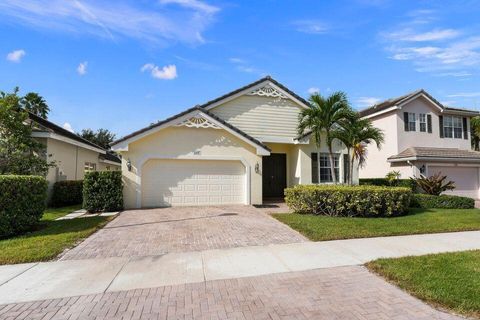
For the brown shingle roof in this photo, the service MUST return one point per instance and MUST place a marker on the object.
(426, 152)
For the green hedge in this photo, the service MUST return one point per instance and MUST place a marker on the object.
(351, 201)
(441, 202)
(67, 193)
(22, 202)
(383, 182)
(102, 191)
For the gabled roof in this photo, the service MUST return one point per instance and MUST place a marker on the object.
(428, 153)
(398, 101)
(200, 109)
(251, 85)
(52, 127)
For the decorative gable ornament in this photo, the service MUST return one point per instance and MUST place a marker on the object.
(268, 91)
(198, 122)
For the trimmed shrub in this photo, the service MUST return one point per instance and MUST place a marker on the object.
(383, 182)
(348, 201)
(103, 191)
(444, 201)
(67, 193)
(22, 202)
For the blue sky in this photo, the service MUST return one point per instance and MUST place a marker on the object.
(124, 64)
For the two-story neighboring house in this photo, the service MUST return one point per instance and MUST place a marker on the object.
(240, 148)
(424, 137)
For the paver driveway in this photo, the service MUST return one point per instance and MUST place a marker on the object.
(335, 293)
(183, 229)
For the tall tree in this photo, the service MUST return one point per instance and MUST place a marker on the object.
(356, 134)
(19, 152)
(34, 103)
(102, 137)
(322, 117)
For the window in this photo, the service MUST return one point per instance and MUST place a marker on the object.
(412, 125)
(90, 166)
(422, 119)
(321, 167)
(452, 127)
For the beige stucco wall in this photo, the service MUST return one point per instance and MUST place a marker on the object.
(261, 117)
(183, 142)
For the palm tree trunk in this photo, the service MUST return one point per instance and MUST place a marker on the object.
(352, 163)
(332, 162)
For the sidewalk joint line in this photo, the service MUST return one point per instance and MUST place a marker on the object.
(34, 265)
(116, 275)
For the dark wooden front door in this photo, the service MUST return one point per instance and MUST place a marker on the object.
(274, 175)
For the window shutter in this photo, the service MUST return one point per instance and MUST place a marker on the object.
(429, 123)
(440, 121)
(405, 120)
(465, 131)
(314, 157)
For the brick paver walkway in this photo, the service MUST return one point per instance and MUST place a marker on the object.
(335, 293)
(157, 231)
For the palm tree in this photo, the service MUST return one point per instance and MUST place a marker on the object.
(34, 103)
(322, 117)
(475, 132)
(356, 134)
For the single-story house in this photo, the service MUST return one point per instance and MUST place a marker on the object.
(422, 136)
(71, 154)
(240, 148)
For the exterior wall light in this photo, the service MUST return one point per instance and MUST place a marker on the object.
(257, 168)
(129, 165)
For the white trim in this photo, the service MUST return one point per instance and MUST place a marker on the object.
(381, 112)
(52, 135)
(421, 94)
(148, 157)
(273, 139)
(123, 145)
(258, 86)
(110, 162)
(415, 158)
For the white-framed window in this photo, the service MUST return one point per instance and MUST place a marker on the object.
(90, 166)
(412, 123)
(321, 172)
(452, 127)
(422, 120)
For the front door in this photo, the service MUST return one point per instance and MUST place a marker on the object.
(274, 175)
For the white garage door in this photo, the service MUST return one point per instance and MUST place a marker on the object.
(192, 182)
(465, 178)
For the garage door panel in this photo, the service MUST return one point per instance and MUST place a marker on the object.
(466, 179)
(192, 182)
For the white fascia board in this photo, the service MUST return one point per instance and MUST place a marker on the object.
(246, 91)
(439, 107)
(382, 112)
(434, 159)
(461, 113)
(59, 137)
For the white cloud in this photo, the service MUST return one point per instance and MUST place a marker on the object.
(166, 73)
(464, 95)
(414, 36)
(310, 26)
(364, 102)
(237, 60)
(243, 65)
(313, 90)
(174, 21)
(16, 55)
(82, 68)
(68, 126)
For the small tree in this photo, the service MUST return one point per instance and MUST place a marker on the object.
(392, 177)
(19, 152)
(102, 137)
(356, 133)
(322, 117)
(435, 184)
(475, 132)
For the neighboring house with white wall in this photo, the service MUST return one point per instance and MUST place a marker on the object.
(71, 154)
(240, 148)
(423, 137)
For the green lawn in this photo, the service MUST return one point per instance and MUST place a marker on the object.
(50, 238)
(448, 280)
(319, 228)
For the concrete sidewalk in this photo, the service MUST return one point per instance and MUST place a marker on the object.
(59, 279)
